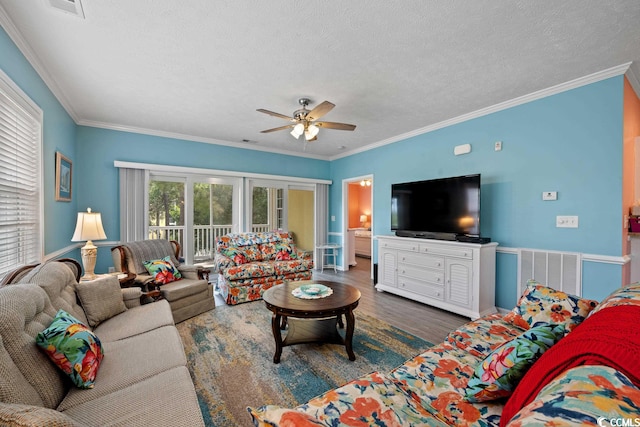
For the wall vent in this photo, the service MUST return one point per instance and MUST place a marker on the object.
(73, 7)
(559, 270)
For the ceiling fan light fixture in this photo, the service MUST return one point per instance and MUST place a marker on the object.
(297, 130)
(311, 132)
(305, 121)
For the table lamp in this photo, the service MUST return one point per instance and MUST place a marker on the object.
(363, 220)
(89, 227)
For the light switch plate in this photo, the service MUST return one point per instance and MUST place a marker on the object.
(567, 221)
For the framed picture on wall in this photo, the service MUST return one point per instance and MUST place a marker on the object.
(63, 178)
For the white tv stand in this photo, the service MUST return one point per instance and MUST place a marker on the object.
(454, 276)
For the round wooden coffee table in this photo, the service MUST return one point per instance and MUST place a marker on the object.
(327, 314)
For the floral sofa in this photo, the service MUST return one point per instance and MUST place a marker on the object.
(556, 359)
(250, 263)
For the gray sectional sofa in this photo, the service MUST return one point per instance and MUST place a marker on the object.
(142, 379)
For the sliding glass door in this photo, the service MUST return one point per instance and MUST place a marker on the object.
(166, 208)
(194, 211)
(281, 205)
(214, 211)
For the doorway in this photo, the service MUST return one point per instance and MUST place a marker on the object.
(357, 220)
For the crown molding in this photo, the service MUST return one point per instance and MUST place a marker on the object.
(25, 48)
(553, 90)
(180, 136)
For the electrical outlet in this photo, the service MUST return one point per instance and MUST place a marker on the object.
(498, 146)
(550, 195)
(566, 221)
(333, 217)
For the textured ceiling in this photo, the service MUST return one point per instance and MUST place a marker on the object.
(200, 69)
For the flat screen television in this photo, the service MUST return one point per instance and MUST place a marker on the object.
(438, 208)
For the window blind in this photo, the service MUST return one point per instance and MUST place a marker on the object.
(20, 183)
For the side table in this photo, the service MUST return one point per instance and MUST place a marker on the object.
(329, 251)
(126, 279)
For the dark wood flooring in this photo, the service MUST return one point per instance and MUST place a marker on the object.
(429, 323)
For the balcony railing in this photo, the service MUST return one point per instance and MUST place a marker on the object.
(204, 236)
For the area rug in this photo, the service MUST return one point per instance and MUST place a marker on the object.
(230, 357)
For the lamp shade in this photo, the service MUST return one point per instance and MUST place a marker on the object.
(88, 227)
(363, 218)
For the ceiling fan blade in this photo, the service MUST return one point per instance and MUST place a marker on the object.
(274, 114)
(333, 125)
(320, 110)
(276, 129)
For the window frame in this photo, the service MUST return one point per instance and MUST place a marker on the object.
(22, 101)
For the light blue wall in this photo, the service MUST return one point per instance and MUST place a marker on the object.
(97, 149)
(59, 134)
(570, 143)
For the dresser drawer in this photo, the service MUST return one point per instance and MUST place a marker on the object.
(421, 274)
(446, 251)
(394, 244)
(421, 260)
(421, 288)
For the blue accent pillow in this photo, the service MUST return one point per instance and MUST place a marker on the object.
(73, 347)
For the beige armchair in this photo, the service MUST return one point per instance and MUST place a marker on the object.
(188, 297)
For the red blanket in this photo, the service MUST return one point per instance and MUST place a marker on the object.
(610, 337)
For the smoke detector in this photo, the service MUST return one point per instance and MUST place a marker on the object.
(73, 7)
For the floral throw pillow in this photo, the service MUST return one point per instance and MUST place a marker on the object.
(73, 347)
(236, 254)
(162, 270)
(499, 373)
(540, 304)
(285, 252)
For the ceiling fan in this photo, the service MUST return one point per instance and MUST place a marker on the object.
(305, 121)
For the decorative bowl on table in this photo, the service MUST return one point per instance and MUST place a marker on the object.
(312, 291)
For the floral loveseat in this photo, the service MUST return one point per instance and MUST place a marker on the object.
(502, 370)
(250, 263)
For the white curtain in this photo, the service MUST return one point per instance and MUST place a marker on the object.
(322, 219)
(133, 204)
